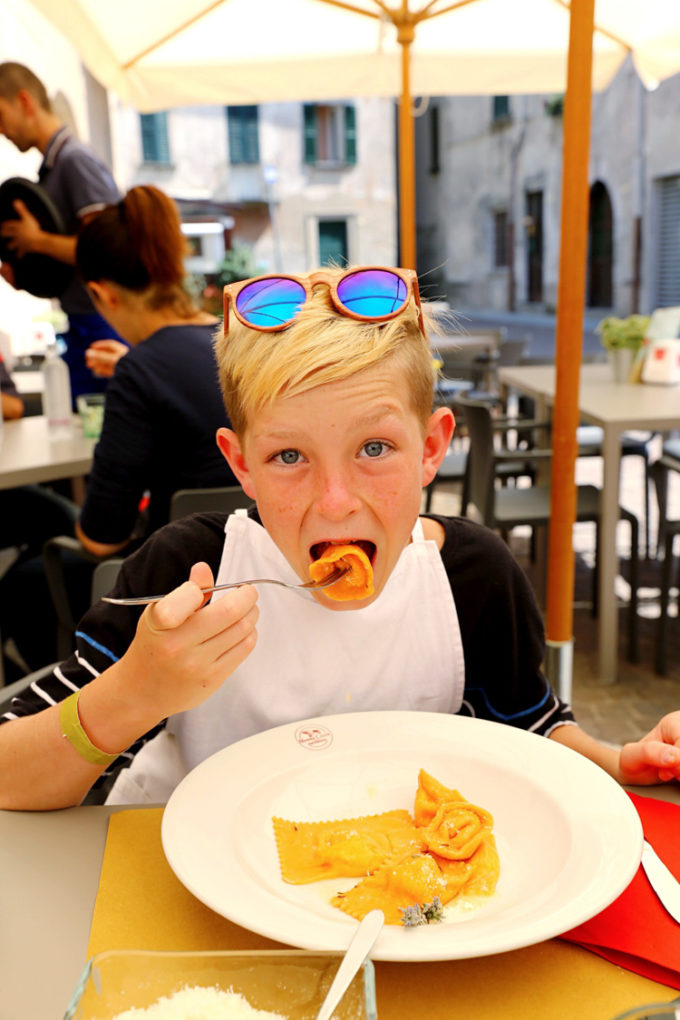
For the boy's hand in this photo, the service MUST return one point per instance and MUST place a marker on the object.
(655, 758)
(180, 656)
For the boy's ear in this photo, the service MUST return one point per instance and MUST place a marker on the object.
(230, 447)
(437, 441)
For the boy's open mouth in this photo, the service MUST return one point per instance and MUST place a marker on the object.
(319, 548)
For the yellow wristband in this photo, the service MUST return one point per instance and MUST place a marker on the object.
(72, 729)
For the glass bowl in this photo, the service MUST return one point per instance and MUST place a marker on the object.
(292, 983)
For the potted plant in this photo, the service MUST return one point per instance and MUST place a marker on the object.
(622, 339)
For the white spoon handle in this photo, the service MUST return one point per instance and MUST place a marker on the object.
(358, 950)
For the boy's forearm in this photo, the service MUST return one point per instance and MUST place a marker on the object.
(576, 738)
(40, 770)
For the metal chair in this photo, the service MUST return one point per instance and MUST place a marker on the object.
(503, 509)
(453, 468)
(183, 502)
(669, 461)
(226, 498)
(668, 529)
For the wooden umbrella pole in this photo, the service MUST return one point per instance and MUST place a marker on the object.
(407, 184)
(569, 335)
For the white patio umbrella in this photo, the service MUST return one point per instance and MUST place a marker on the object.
(182, 52)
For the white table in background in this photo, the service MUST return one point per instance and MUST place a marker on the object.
(31, 451)
(616, 408)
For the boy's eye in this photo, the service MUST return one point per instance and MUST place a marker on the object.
(287, 457)
(374, 448)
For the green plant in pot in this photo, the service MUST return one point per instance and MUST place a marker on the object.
(623, 338)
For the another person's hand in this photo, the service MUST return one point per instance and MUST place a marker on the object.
(102, 356)
(655, 758)
(23, 235)
(180, 656)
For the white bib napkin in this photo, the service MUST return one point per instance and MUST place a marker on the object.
(403, 651)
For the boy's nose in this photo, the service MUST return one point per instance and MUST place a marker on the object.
(335, 499)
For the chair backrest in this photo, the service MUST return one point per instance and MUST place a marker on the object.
(104, 577)
(192, 501)
(511, 352)
(480, 463)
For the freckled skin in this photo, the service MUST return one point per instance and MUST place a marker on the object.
(341, 462)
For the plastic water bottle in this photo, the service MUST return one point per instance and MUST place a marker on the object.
(57, 388)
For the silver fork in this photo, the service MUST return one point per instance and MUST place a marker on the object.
(145, 600)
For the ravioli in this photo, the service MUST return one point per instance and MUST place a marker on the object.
(356, 584)
(350, 848)
(429, 795)
(449, 851)
(404, 879)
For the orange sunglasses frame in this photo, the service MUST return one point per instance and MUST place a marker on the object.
(311, 280)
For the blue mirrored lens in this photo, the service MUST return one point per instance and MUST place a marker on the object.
(373, 293)
(271, 302)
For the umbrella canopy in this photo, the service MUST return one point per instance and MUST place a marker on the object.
(159, 55)
(184, 52)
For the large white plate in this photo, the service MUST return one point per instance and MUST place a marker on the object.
(568, 837)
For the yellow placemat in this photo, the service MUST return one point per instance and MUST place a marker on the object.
(142, 905)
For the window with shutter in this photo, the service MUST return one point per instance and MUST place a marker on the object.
(309, 136)
(155, 144)
(350, 135)
(243, 132)
(333, 248)
(500, 110)
(330, 135)
(500, 239)
(668, 243)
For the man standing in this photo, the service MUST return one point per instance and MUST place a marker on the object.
(78, 184)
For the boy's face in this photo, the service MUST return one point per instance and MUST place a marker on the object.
(344, 462)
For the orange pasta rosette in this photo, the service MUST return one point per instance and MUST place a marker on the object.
(457, 830)
(356, 584)
(429, 795)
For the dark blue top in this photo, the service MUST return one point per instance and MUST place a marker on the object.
(78, 183)
(163, 408)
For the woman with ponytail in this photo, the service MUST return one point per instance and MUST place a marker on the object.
(163, 404)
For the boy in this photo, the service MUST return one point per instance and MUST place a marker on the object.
(328, 383)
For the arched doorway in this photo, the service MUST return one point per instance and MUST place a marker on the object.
(600, 248)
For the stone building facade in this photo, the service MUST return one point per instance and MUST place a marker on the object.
(298, 183)
(489, 189)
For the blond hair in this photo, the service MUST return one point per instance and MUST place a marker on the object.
(320, 346)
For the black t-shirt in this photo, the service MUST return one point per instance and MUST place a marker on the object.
(500, 625)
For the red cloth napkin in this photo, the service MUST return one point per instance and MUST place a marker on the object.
(635, 931)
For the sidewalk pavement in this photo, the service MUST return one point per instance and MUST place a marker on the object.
(536, 327)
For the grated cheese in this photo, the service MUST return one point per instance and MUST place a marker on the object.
(200, 1004)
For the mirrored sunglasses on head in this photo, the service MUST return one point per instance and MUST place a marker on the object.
(367, 293)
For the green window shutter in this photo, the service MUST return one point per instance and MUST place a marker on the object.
(350, 134)
(500, 110)
(155, 144)
(309, 140)
(243, 129)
